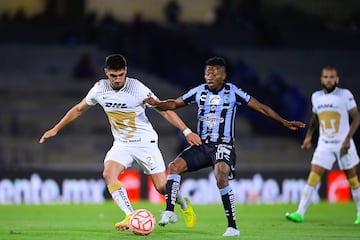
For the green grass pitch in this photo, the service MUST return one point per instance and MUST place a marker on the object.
(88, 221)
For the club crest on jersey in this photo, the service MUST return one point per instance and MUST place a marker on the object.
(115, 105)
(214, 100)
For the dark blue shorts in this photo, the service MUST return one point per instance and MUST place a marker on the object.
(206, 155)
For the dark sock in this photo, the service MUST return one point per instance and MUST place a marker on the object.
(228, 200)
(172, 188)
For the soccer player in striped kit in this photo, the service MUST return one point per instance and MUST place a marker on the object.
(217, 102)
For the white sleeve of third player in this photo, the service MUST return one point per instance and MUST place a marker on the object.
(350, 100)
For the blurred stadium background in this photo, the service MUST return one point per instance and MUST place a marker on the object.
(52, 52)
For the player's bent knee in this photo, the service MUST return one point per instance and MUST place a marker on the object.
(177, 166)
(313, 179)
(173, 169)
(354, 182)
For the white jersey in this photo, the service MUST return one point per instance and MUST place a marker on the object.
(125, 110)
(332, 111)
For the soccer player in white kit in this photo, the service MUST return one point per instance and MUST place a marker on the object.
(331, 108)
(134, 137)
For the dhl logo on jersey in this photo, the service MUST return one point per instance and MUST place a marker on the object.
(115, 105)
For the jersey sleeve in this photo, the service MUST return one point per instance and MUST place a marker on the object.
(350, 100)
(91, 95)
(145, 92)
(242, 97)
(190, 96)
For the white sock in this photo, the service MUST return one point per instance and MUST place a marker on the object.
(356, 197)
(305, 199)
(122, 200)
(181, 201)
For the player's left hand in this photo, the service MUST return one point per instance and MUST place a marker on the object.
(193, 139)
(344, 148)
(294, 125)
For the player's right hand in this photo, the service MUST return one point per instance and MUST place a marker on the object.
(151, 101)
(48, 134)
(306, 143)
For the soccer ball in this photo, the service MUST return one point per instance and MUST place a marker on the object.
(142, 222)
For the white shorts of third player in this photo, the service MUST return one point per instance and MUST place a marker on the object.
(326, 158)
(148, 157)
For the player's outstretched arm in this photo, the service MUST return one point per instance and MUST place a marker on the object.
(75, 112)
(170, 104)
(269, 112)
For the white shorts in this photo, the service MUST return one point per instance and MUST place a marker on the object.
(326, 158)
(148, 157)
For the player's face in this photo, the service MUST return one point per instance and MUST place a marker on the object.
(329, 80)
(214, 77)
(117, 78)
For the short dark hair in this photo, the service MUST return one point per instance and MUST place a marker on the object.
(115, 62)
(215, 61)
(329, 68)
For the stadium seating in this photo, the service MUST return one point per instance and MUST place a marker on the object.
(36, 92)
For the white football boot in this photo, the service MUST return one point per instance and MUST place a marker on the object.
(231, 232)
(167, 217)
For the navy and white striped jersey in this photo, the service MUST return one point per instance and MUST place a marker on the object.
(216, 111)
